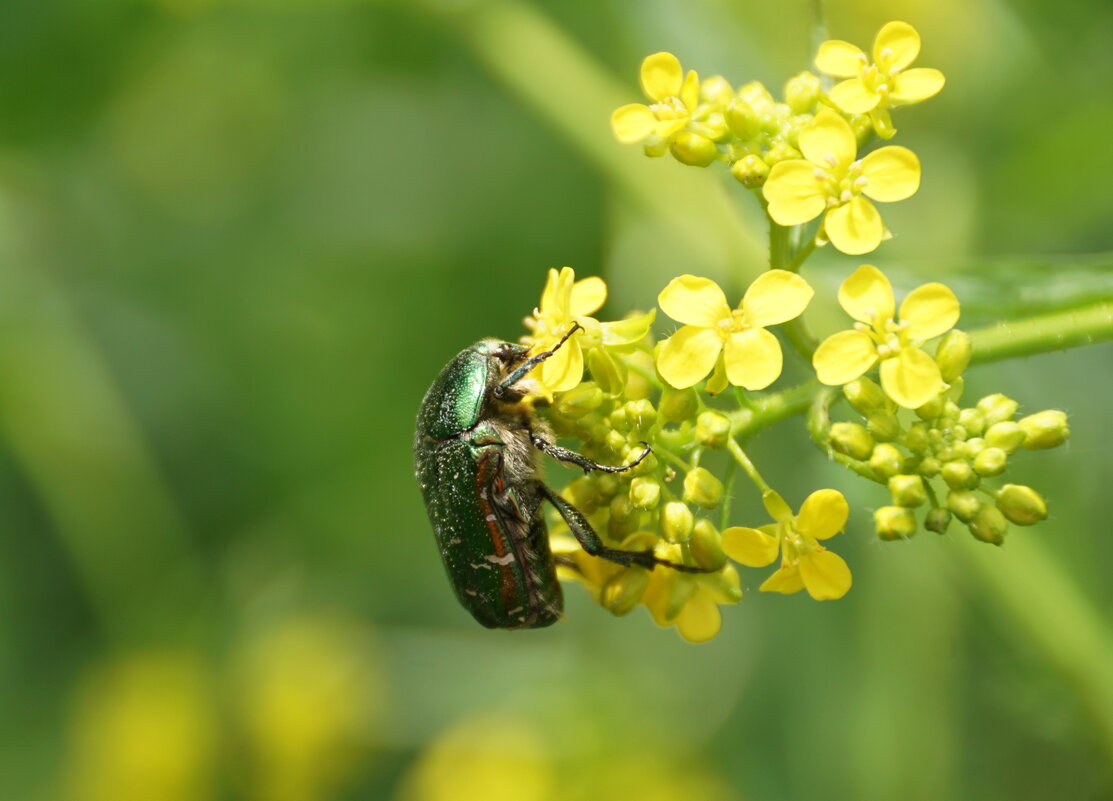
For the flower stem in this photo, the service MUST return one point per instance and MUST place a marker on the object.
(1067, 328)
(819, 427)
(748, 466)
(781, 257)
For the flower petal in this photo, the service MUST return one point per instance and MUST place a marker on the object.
(825, 574)
(891, 173)
(912, 378)
(625, 332)
(632, 123)
(750, 547)
(700, 619)
(843, 357)
(753, 358)
(550, 295)
(840, 59)
(828, 141)
(854, 227)
(718, 381)
(661, 76)
(786, 580)
(823, 514)
(854, 97)
(794, 193)
(692, 300)
(688, 355)
(565, 368)
(912, 86)
(896, 46)
(588, 294)
(689, 92)
(867, 295)
(929, 310)
(775, 296)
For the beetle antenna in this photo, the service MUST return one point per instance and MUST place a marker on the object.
(523, 369)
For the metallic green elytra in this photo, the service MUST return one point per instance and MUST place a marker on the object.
(475, 452)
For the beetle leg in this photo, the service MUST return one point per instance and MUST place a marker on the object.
(578, 459)
(522, 370)
(582, 531)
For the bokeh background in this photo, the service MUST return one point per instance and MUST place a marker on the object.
(238, 238)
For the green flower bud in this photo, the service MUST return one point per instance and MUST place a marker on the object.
(997, 408)
(1021, 505)
(953, 354)
(780, 152)
(907, 490)
(641, 415)
(645, 467)
(624, 518)
(991, 462)
(750, 171)
(916, 438)
(937, 520)
(972, 447)
(964, 504)
(950, 410)
(645, 493)
(692, 149)
(617, 419)
(716, 90)
(931, 410)
(677, 521)
(1006, 435)
(583, 493)
(929, 466)
(862, 126)
(677, 405)
(706, 545)
(802, 92)
(580, 400)
(894, 523)
(989, 525)
(972, 420)
(851, 440)
(886, 460)
(884, 426)
(960, 475)
(742, 120)
(712, 430)
(624, 590)
(703, 489)
(616, 442)
(606, 484)
(866, 396)
(1046, 429)
(605, 371)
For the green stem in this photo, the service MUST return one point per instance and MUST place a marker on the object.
(819, 429)
(1055, 331)
(769, 409)
(748, 466)
(782, 258)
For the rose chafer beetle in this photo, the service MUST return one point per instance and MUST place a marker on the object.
(476, 464)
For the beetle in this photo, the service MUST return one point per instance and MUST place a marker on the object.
(475, 451)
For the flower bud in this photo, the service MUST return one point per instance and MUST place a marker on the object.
(706, 545)
(971, 448)
(973, 421)
(997, 408)
(866, 396)
(624, 518)
(617, 419)
(645, 493)
(886, 460)
(676, 521)
(907, 490)
(989, 525)
(916, 438)
(851, 440)
(1021, 505)
(615, 441)
(692, 149)
(929, 466)
(605, 371)
(702, 488)
(742, 120)
(991, 462)
(953, 354)
(1006, 435)
(937, 520)
(677, 405)
(583, 493)
(712, 430)
(645, 467)
(960, 475)
(802, 92)
(716, 90)
(894, 523)
(883, 426)
(579, 400)
(622, 591)
(641, 415)
(931, 410)
(780, 152)
(750, 171)
(1046, 429)
(964, 504)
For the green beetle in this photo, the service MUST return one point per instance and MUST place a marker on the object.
(476, 464)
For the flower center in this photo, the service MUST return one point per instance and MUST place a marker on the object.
(671, 108)
(840, 185)
(735, 322)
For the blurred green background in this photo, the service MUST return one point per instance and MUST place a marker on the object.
(238, 238)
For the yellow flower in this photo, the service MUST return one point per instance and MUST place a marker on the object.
(565, 301)
(733, 342)
(675, 98)
(805, 564)
(874, 88)
(829, 180)
(908, 375)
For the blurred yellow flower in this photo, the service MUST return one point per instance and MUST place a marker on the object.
(805, 564)
(732, 342)
(873, 88)
(565, 301)
(674, 95)
(830, 180)
(908, 375)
